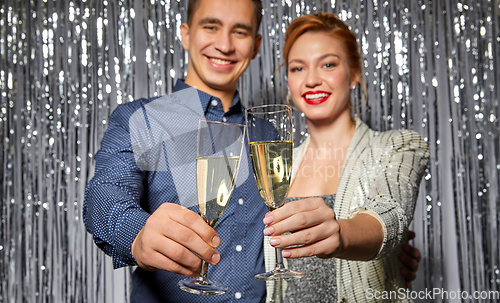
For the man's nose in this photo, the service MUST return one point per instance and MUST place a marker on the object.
(224, 43)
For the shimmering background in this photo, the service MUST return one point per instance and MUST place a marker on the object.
(65, 65)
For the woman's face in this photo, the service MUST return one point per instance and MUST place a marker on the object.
(319, 77)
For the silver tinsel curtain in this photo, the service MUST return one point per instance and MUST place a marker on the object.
(431, 66)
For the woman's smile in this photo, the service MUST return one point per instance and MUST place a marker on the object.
(315, 97)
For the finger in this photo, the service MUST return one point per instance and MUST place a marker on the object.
(186, 242)
(412, 251)
(407, 274)
(195, 222)
(182, 226)
(315, 249)
(295, 207)
(301, 220)
(171, 250)
(306, 236)
(295, 223)
(408, 262)
(152, 252)
(411, 235)
(160, 261)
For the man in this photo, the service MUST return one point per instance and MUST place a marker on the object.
(136, 215)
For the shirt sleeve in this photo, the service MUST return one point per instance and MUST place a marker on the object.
(400, 161)
(111, 209)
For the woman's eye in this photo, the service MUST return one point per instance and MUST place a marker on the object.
(330, 65)
(296, 69)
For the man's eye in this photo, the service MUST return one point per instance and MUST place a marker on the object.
(240, 33)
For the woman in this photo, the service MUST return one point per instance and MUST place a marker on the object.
(354, 190)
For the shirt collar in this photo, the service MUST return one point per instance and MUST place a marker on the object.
(205, 98)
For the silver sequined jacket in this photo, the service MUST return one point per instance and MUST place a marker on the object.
(380, 176)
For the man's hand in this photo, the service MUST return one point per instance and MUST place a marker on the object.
(409, 257)
(171, 238)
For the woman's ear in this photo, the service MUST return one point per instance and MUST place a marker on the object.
(355, 79)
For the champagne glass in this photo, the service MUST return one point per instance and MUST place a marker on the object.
(269, 129)
(217, 161)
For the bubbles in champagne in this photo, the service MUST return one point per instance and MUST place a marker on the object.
(213, 198)
(272, 165)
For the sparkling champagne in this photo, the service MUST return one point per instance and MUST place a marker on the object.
(214, 185)
(272, 167)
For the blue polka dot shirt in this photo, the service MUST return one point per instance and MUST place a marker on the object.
(121, 196)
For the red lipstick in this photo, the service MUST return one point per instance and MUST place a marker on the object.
(319, 97)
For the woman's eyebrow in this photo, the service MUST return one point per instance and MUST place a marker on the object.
(319, 58)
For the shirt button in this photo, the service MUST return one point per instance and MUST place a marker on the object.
(238, 247)
(224, 119)
(214, 102)
(240, 201)
(237, 295)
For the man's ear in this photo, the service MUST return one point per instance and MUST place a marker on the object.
(185, 36)
(256, 47)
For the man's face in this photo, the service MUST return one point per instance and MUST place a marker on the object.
(221, 42)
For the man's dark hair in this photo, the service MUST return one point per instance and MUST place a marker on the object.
(257, 11)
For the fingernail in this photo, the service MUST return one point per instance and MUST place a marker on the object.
(275, 241)
(268, 220)
(268, 231)
(215, 258)
(215, 241)
(286, 254)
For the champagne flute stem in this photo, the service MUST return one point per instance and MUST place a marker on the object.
(204, 275)
(279, 259)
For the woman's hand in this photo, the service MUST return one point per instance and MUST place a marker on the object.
(315, 231)
(313, 227)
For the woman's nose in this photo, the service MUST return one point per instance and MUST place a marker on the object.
(313, 78)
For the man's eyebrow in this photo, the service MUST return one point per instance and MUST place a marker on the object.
(210, 21)
(216, 21)
(244, 26)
